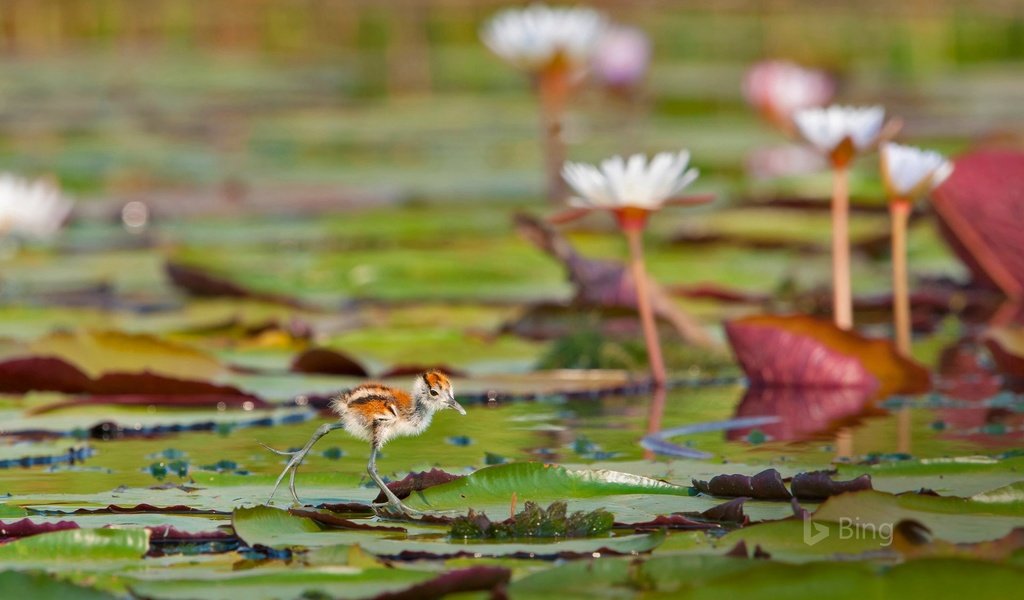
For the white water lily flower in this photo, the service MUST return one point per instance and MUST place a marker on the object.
(629, 183)
(779, 88)
(910, 172)
(539, 36)
(828, 128)
(31, 208)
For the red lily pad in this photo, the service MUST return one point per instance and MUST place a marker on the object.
(981, 214)
(21, 375)
(417, 482)
(480, 578)
(803, 352)
(202, 283)
(49, 374)
(327, 362)
(336, 522)
(172, 535)
(27, 527)
(768, 485)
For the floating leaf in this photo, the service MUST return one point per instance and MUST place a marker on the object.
(27, 527)
(722, 577)
(537, 482)
(766, 485)
(99, 352)
(330, 581)
(564, 549)
(951, 518)
(78, 544)
(800, 351)
(206, 284)
(473, 579)
(416, 482)
(21, 375)
(327, 362)
(40, 586)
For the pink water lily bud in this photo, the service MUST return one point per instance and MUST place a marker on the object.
(622, 57)
(778, 88)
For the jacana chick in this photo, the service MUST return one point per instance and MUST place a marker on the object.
(377, 413)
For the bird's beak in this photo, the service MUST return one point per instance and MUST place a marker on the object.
(452, 404)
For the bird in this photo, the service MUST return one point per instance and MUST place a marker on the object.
(377, 413)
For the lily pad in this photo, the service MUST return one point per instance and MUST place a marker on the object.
(537, 482)
(78, 544)
(98, 352)
(800, 351)
(951, 518)
(40, 586)
(328, 581)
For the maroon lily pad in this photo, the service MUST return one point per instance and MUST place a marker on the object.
(673, 521)
(43, 373)
(144, 509)
(416, 482)
(27, 527)
(766, 485)
(727, 512)
(327, 362)
(206, 284)
(172, 535)
(801, 351)
(818, 485)
(49, 374)
(336, 522)
(480, 578)
(981, 215)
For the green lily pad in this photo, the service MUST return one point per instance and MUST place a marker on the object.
(78, 544)
(537, 482)
(333, 581)
(724, 577)
(950, 518)
(40, 586)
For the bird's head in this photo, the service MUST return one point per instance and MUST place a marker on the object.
(434, 390)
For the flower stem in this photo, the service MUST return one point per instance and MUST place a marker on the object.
(842, 298)
(900, 211)
(643, 302)
(656, 411)
(553, 87)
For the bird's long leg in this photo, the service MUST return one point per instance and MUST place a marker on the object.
(296, 459)
(393, 502)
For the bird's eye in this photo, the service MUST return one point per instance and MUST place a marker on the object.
(433, 392)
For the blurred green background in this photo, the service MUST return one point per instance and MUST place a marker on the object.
(398, 98)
